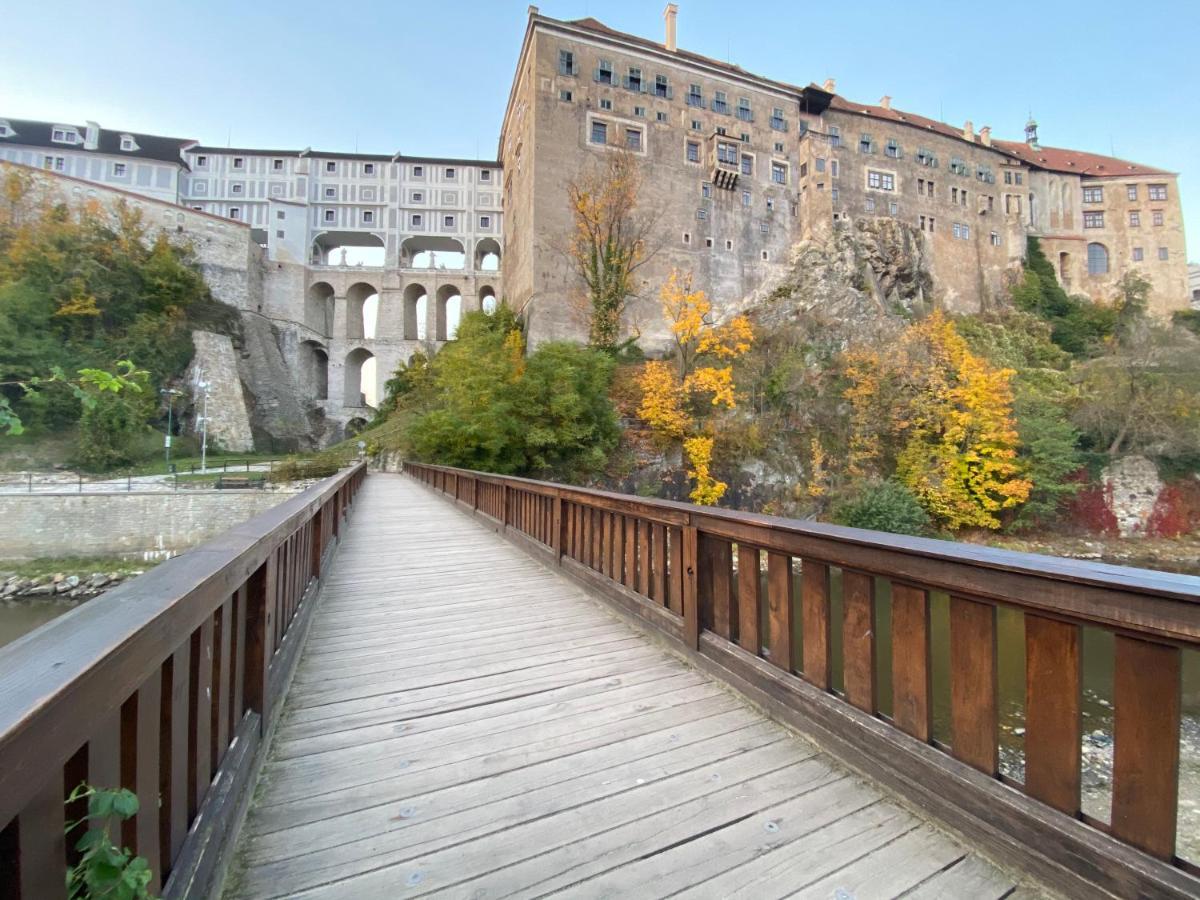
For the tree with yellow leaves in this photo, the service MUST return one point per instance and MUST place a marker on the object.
(950, 415)
(678, 402)
(609, 241)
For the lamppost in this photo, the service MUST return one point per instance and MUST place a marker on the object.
(203, 386)
(170, 394)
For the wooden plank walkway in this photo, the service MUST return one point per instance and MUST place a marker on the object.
(466, 722)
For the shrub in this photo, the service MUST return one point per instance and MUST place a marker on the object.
(884, 506)
(295, 469)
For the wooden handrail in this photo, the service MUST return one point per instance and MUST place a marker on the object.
(673, 565)
(164, 685)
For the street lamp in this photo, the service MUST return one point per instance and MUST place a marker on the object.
(203, 386)
(170, 394)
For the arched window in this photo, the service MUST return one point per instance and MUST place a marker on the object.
(1097, 259)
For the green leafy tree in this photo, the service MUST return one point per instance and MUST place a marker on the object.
(884, 506)
(1078, 325)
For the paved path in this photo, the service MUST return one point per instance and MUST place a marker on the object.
(465, 722)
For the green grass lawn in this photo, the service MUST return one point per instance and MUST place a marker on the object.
(74, 565)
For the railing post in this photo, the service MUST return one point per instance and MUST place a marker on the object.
(556, 529)
(317, 548)
(260, 628)
(691, 605)
(504, 505)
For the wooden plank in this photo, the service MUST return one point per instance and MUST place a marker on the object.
(1146, 705)
(1053, 684)
(41, 844)
(814, 601)
(780, 593)
(749, 592)
(173, 754)
(260, 616)
(675, 571)
(140, 748)
(973, 715)
(643, 553)
(219, 730)
(858, 639)
(658, 565)
(691, 598)
(104, 753)
(724, 611)
(912, 711)
(618, 549)
(237, 679)
(200, 716)
(597, 539)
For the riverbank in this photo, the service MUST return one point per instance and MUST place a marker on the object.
(1181, 554)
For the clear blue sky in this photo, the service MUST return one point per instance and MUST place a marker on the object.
(432, 79)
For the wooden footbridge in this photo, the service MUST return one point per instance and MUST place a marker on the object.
(451, 683)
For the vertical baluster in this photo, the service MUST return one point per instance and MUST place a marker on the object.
(173, 755)
(749, 592)
(238, 657)
(858, 639)
(597, 539)
(618, 549)
(973, 683)
(675, 572)
(658, 567)
(704, 580)
(104, 753)
(631, 553)
(1146, 708)
(779, 609)
(200, 716)
(222, 641)
(911, 710)
(33, 848)
(140, 748)
(816, 622)
(643, 554)
(691, 594)
(724, 614)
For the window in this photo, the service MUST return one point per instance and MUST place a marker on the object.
(696, 125)
(633, 138)
(1138, 255)
(201, 162)
(119, 172)
(55, 163)
(1097, 259)
(833, 168)
(5, 131)
(368, 217)
(280, 215)
(565, 95)
(745, 137)
(743, 110)
(803, 170)
(892, 149)
(566, 63)
(604, 72)
(833, 195)
(770, 203)
(447, 221)
(1093, 220)
(239, 162)
(640, 112)
(633, 81)
(330, 166)
(418, 197)
(485, 222)
(66, 135)
(922, 223)
(747, 164)
(703, 214)
(1018, 178)
(727, 153)
(660, 116)
(1156, 217)
(279, 234)
(778, 147)
(687, 237)
(746, 198)
(835, 136)
(820, 164)
(605, 103)
(693, 152)
(695, 97)
(485, 175)
(1008, 177)
(953, 195)
(451, 174)
(1131, 192)
(720, 103)
(870, 204)
(958, 167)
(330, 192)
(236, 212)
(127, 143)
(418, 171)
(368, 168)
(1162, 253)
(1093, 195)
(233, 188)
(777, 120)
(708, 242)
(330, 215)
(661, 88)
(198, 208)
(705, 190)
(881, 181)
(1157, 191)
(865, 144)
(931, 224)
(962, 232)
(995, 238)
(1135, 219)
(964, 198)
(599, 133)
(416, 220)
(893, 207)
(779, 173)
(926, 158)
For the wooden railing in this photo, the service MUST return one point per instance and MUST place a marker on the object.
(164, 686)
(832, 629)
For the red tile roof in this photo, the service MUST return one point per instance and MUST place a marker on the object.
(1079, 162)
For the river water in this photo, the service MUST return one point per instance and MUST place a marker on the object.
(23, 616)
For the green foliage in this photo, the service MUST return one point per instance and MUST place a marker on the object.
(304, 469)
(1189, 319)
(1077, 324)
(483, 405)
(105, 870)
(115, 408)
(883, 506)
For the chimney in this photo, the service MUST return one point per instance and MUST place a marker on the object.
(830, 85)
(885, 101)
(91, 136)
(969, 131)
(670, 14)
(985, 135)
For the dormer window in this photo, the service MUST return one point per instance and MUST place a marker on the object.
(128, 144)
(6, 129)
(63, 135)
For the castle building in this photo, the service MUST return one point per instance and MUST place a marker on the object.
(343, 258)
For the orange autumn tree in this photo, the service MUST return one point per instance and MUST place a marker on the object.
(942, 417)
(680, 399)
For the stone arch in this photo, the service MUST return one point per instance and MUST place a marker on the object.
(1097, 258)
(348, 248)
(449, 311)
(416, 299)
(314, 367)
(355, 426)
(432, 252)
(487, 255)
(357, 393)
(360, 318)
(487, 299)
(318, 308)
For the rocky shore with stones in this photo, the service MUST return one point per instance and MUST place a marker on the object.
(60, 586)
